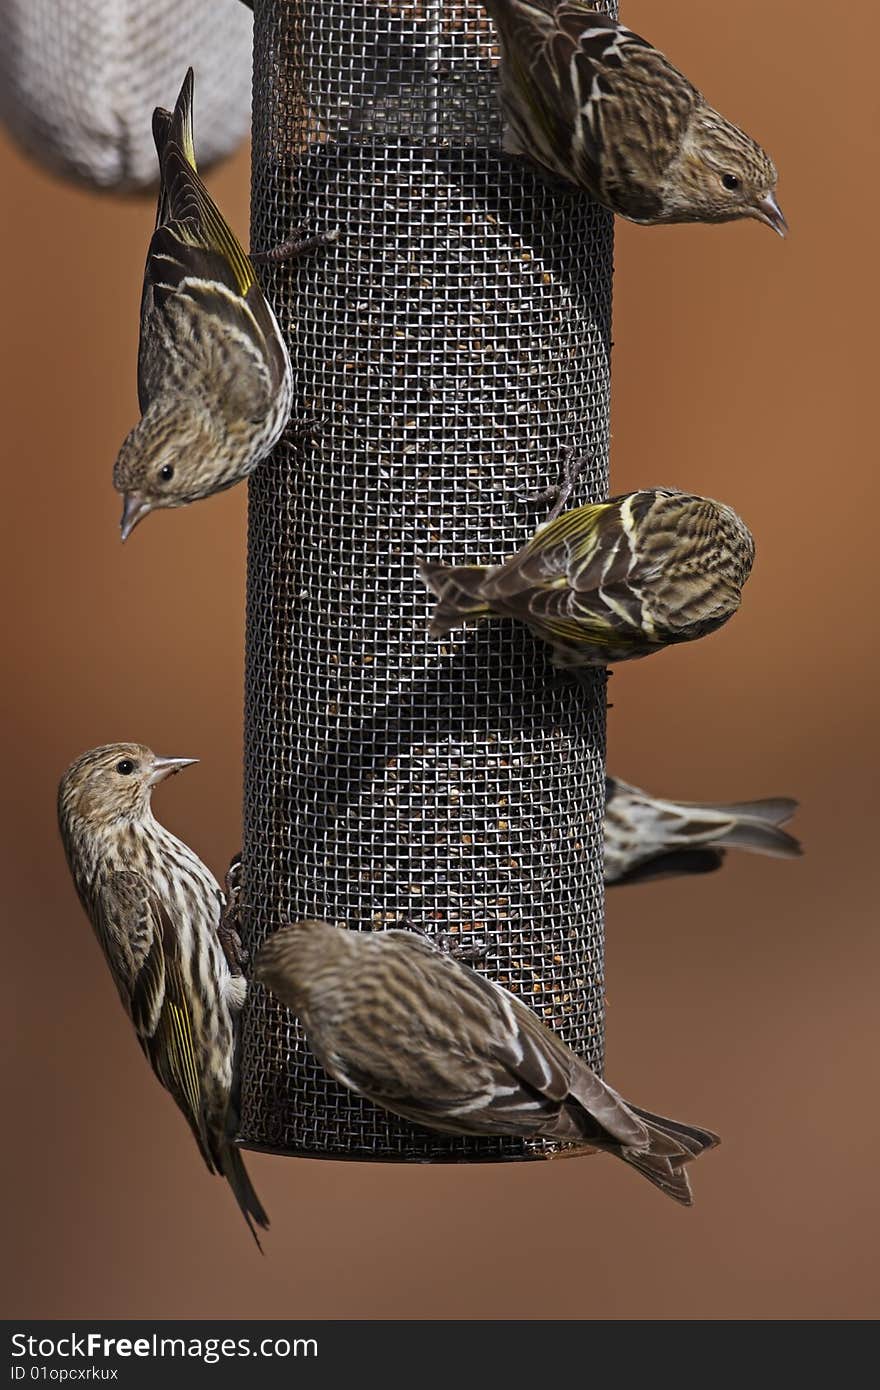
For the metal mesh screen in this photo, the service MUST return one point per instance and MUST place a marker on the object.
(446, 346)
(79, 80)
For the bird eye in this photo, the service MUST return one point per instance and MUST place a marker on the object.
(166, 473)
(730, 181)
(125, 768)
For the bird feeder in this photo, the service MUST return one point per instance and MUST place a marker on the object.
(448, 345)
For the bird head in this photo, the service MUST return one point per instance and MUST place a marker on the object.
(721, 175)
(737, 545)
(174, 455)
(114, 783)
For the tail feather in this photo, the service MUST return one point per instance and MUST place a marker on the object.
(771, 810)
(249, 1203)
(162, 120)
(672, 1145)
(182, 121)
(663, 1173)
(459, 593)
(762, 839)
(757, 827)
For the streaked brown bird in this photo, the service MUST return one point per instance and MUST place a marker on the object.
(156, 910)
(647, 837)
(414, 1030)
(610, 581)
(214, 377)
(593, 103)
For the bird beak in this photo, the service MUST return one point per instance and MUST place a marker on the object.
(134, 510)
(167, 767)
(770, 212)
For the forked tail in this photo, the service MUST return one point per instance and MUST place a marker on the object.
(756, 826)
(459, 593)
(672, 1145)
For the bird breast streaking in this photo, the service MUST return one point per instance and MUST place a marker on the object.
(647, 837)
(214, 376)
(156, 910)
(593, 103)
(419, 1033)
(610, 581)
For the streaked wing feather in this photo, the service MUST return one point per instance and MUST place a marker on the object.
(201, 224)
(157, 994)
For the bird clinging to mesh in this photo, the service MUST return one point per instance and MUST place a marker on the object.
(647, 837)
(214, 376)
(610, 581)
(416, 1031)
(593, 103)
(156, 910)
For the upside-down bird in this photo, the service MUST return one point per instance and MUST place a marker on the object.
(214, 376)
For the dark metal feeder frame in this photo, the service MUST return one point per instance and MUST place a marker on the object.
(446, 346)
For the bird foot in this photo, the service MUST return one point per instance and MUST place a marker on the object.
(451, 944)
(299, 431)
(294, 247)
(227, 929)
(559, 493)
(472, 952)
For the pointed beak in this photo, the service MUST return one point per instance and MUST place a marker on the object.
(134, 509)
(770, 212)
(167, 767)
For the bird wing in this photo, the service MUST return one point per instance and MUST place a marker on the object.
(194, 251)
(145, 957)
(578, 72)
(547, 1074)
(185, 203)
(566, 552)
(570, 582)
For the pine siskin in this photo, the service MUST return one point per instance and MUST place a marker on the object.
(214, 376)
(646, 838)
(414, 1030)
(597, 105)
(610, 581)
(156, 909)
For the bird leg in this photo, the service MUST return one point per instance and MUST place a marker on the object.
(294, 247)
(227, 929)
(559, 493)
(300, 431)
(472, 952)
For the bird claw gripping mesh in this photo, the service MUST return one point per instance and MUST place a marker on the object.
(449, 344)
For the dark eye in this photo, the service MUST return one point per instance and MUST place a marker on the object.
(730, 181)
(167, 472)
(125, 768)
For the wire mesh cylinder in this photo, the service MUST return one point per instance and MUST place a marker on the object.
(446, 345)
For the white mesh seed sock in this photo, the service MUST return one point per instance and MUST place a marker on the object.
(79, 80)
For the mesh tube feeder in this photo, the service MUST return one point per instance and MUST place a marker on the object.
(446, 346)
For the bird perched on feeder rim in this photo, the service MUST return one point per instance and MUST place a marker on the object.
(156, 911)
(610, 581)
(647, 837)
(414, 1030)
(214, 376)
(593, 103)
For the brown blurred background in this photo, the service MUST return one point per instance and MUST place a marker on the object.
(744, 368)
